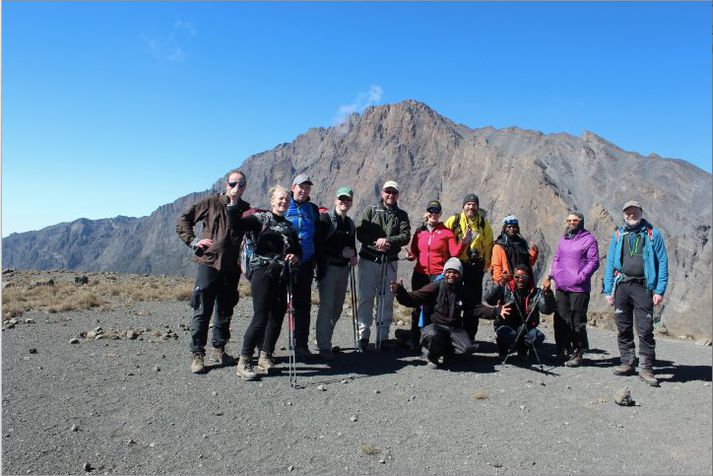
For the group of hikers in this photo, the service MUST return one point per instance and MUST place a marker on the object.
(295, 242)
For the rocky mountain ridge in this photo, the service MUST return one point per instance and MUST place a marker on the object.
(536, 176)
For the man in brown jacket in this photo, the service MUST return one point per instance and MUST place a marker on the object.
(217, 253)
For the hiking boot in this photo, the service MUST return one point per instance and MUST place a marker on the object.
(197, 363)
(245, 368)
(221, 357)
(265, 362)
(575, 360)
(326, 355)
(303, 353)
(363, 345)
(647, 375)
(624, 370)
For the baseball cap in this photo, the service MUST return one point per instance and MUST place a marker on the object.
(632, 203)
(390, 184)
(345, 192)
(434, 206)
(300, 179)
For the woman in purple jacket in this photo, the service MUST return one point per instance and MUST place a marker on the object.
(575, 261)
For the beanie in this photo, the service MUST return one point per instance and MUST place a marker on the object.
(471, 197)
(454, 264)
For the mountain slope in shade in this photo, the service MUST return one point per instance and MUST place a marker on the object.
(536, 176)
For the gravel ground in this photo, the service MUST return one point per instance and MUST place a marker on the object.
(131, 406)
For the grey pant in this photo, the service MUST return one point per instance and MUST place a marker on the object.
(332, 290)
(634, 304)
(370, 284)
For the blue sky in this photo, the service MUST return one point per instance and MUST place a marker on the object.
(117, 108)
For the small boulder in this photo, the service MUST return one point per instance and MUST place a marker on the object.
(623, 397)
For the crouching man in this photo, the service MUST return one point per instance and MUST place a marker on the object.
(527, 303)
(445, 335)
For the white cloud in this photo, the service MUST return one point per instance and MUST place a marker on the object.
(361, 102)
(169, 48)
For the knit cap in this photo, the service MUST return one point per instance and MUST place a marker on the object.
(454, 264)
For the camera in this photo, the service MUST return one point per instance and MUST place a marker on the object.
(198, 251)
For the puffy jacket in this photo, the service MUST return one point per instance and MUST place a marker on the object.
(305, 216)
(433, 248)
(500, 263)
(575, 261)
(212, 212)
(482, 243)
(377, 222)
(655, 260)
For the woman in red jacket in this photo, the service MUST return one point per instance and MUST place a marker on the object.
(431, 246)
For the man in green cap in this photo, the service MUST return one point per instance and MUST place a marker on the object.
(338, 255)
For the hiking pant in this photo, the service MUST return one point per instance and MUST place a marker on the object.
(302, 299)
(445, 340)
(473, 283)
(372, 286)
(505, 338)
(634, 304)
(571, 320)
(217, 289)
(332, 291)
(269, 292)
(418, 281)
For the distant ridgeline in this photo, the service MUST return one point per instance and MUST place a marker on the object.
(535, 176)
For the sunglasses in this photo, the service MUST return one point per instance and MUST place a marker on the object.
(344, 199)
(391, 192)
(240, 184)
(522, 277)
(512, 225)
(434, 212)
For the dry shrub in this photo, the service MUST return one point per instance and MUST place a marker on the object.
(481, 395)
(22, 296)
(370, 450)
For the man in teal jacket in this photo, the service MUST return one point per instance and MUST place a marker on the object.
(635, 281)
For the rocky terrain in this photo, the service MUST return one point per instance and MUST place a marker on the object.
(109, 392)
(536, 176)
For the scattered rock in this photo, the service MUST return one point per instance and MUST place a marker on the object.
(218, 413)
(703, 342)
(29, 320)
(74, 428)
(354, 418)
(98, 329)
(623, 397)
(131, 334)
(90, 334)
(81, 280)
(87, 467)
(157, 369)
(321, 388)
(33, 351)
(74, 340)
(131, 442)
(12, 321)
(290, 468)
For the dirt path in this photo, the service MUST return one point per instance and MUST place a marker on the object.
(132, 407)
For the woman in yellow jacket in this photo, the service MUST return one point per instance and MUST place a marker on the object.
(509, 250)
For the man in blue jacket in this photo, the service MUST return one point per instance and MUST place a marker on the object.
(304, 215)
(635, 281)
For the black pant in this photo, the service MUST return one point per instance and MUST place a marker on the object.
(571, 320)
(445, 340)
(634, 304)
(418, 281)
(269, 292)
(213, 288)
(473, 283)
(302, 293)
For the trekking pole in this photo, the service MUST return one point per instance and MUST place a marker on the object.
(523, 327)
(291, 362)
(355, 313)
(381, 298)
